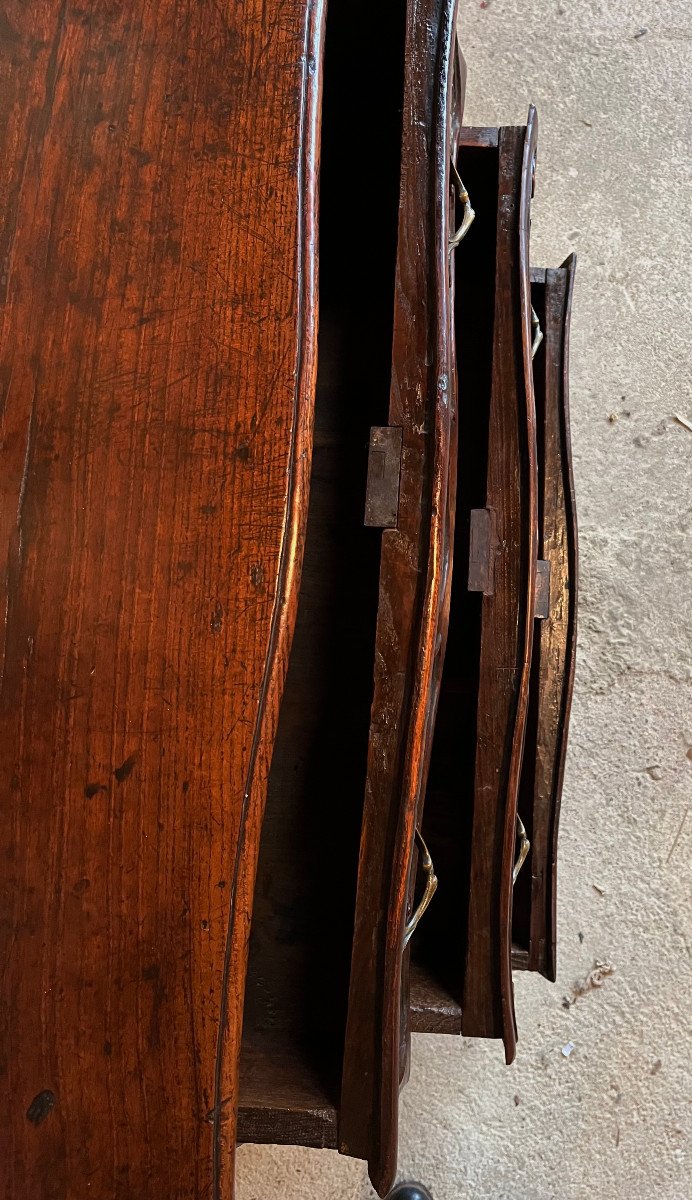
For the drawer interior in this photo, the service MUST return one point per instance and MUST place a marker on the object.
(439, 966)
(302, 927)
(469, 820)
(438, 950)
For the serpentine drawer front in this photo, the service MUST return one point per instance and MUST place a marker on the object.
(323, 1037)
(555, 638)
(492, 802)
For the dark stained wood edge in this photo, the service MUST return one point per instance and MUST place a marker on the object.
(433, 1008)
(456, 117)
(450, 75)
(555, 638)
(410, 972)
(488, 1000)
(483, 138)
(283, 1101)
(520, 958)
(421, 397)
(569, 265)
(224, 1113)
(527, 185)
(288, 1126)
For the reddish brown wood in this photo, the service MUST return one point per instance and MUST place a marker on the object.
(412, 588)
(555, 638)
(408, 985)
(157, 362)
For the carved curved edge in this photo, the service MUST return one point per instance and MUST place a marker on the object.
(554, 640)
(449, 520)
(507, 608)
(572, 568)
(509, 1036)
(435, 618)
(412, 587)
(282, 620)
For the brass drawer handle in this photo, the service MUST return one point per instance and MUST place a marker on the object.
(524, 847)
(469, 214)
(537, 333)
(430, 889)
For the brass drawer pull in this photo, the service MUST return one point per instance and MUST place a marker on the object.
(469, 214)
(537, 333)
(524, 847)
(430, 889)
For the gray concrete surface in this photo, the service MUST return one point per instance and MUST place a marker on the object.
(614, 183)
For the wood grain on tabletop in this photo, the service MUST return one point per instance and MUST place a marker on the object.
(156, 370)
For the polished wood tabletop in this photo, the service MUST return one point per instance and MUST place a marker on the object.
(157, 357)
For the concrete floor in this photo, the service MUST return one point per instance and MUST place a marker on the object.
(615, 184)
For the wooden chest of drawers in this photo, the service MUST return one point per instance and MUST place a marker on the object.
(290, 585)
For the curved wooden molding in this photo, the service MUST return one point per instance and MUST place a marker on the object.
(285, 605)
(412, 591)
(507, 613)
(555, 637)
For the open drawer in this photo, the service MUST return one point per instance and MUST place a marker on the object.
(323, 1041)
(461, 968)
(554, 644)
(301, 935)
(493, 796)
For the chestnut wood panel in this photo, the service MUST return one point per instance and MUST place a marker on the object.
(554, 650)
(157, 308)
(411, 596)
(507, 608)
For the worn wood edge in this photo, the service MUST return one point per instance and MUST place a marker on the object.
(475, 136)
(379, 1144)
(540, 956)
(283, 1099)
(528, 954)
(433, 1008)
(520, 958)
(281, 1126)
(428, 1007)
(282, 622)
(503, 1024)
(569, 265)
(506, 890)
(438, 578)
